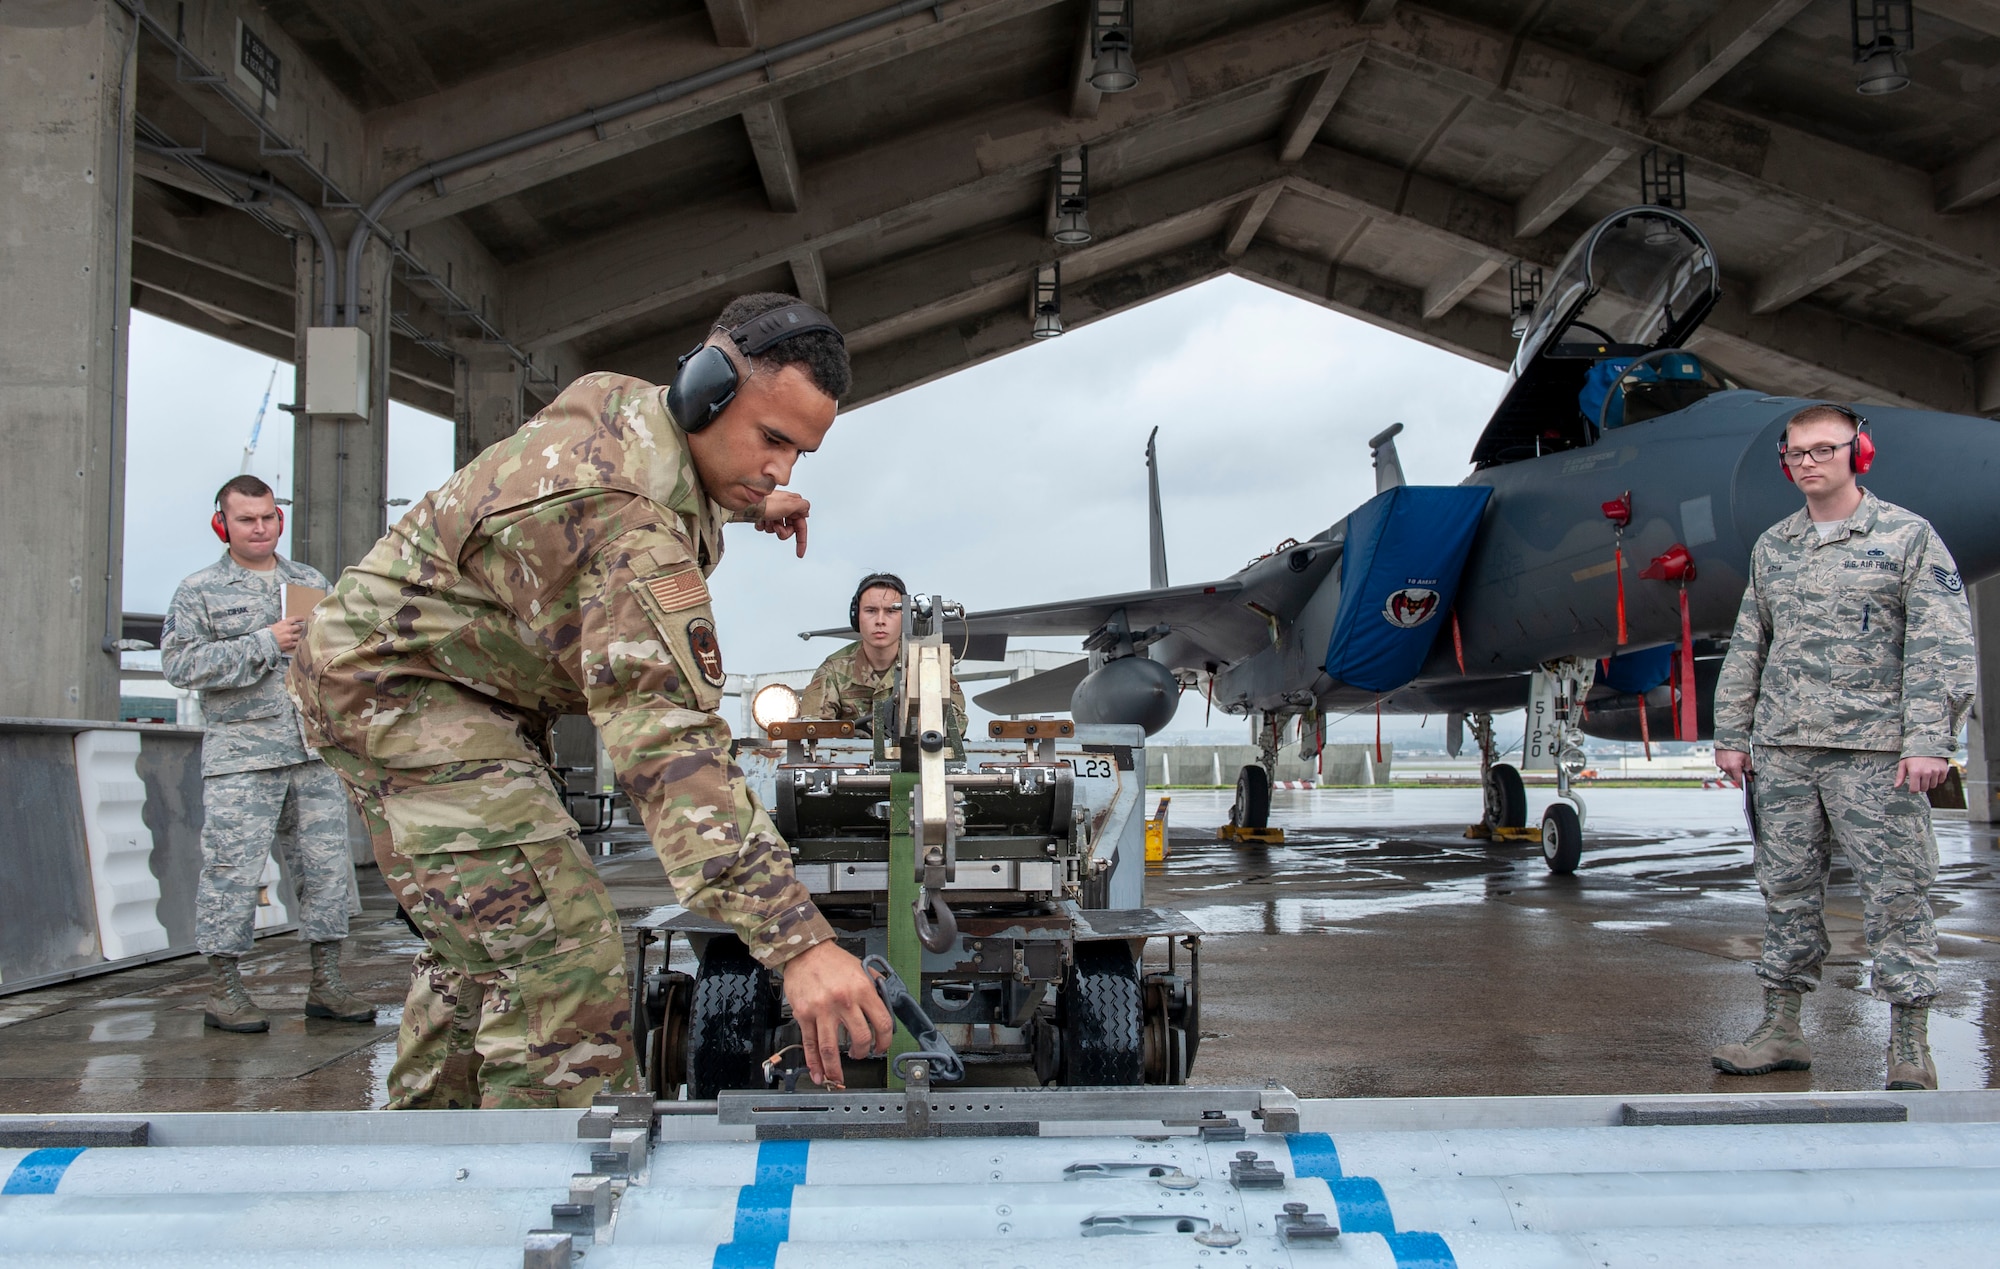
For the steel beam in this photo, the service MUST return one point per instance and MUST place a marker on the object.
(777, 159)
(1714, 50)
(1970, 180)
(1819, 263)
(488, 108)
(1563, 186)
(735, 22)
(1316, 100)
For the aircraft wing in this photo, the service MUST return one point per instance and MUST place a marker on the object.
(1189, 610)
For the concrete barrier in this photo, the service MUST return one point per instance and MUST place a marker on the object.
(100, 848)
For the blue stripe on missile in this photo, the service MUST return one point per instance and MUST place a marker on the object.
(40, 1171)
(1363, 1208)
(764, 1207)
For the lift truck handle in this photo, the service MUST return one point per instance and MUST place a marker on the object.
(946, 1066)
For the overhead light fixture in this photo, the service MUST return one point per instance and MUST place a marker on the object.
(1072, 221)
(1884, 30)
(1047, 302)
(1113, 71)
(774, 703)
(1524, 290)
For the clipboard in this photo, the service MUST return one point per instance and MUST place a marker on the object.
(301, 600)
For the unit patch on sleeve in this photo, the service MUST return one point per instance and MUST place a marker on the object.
(677, 591)
(707, 651)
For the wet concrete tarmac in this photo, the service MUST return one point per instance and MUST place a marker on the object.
(1377, 953)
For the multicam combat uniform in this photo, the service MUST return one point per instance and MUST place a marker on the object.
(846, 686)
(260, 784)
(561, 571)
(1849, 654)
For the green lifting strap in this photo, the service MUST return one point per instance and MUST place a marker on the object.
(906, 955)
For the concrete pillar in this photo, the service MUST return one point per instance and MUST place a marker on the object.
(343, 463)
(1982, 733)
(488, 398)
(67, 82)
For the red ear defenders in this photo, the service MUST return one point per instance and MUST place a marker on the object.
(884, 581)
(706, 382)
(221, 526)
(1860, 455)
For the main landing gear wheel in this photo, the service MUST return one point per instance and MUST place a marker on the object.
(1103, 1033)
(731, 1020)
(1506, 797)
(1252, 808)
(1562, 838)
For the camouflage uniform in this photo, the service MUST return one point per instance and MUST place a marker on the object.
(1849, 654)
(260, 784)
(846, 686)
(561, 571)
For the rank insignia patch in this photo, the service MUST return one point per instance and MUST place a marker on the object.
(1950, 581)
(676, 591)
(707, 651)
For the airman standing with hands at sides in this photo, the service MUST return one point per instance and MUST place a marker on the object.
(565, 570)
(226, 635)
(1848, 674)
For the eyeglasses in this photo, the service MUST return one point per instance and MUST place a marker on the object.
(1818, 453)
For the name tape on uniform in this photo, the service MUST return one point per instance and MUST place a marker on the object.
(676, 591)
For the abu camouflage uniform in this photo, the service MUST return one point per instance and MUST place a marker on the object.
(260, 785)
(845, 686)
(561, 571)
(1849, 655)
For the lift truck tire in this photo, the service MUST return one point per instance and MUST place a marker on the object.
(1103, 1032)
(1562, 838)
(1252, 808)
(1506, 797)
(669, 998)
(732, 1020)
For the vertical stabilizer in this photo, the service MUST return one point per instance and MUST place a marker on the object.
(1388, 467)
(1156, 531)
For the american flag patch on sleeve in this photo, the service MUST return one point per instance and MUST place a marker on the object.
(676, 591)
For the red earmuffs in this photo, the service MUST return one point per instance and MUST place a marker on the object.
(221, 526)
(1860, 455)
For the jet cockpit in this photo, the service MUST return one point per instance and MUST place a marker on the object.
(1603, 343)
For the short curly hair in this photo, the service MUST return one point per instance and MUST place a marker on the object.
(822, 355)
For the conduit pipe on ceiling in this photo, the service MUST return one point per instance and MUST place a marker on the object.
(329, 304)
(596, 117)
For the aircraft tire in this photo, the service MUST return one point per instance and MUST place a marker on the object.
(1104, 1033)
(669, 995)
(1252, 808)
(1562, 838)
(1506, 797)
(731, 1020)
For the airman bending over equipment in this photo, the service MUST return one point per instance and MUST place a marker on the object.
(854, 681)
(1847, 676)
(226, 636)
(565, 570)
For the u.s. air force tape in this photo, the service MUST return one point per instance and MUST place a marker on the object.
(676, 591)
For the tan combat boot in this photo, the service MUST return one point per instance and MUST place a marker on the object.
(1776, 1045)
(329, 997)
(229, 1006)
(1910, 1063)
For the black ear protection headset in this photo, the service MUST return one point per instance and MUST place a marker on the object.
(1860, 455)
(706, 381)
(221, 526)
(887, 581)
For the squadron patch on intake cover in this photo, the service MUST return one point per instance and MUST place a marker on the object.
(707, 652)
(676, 591)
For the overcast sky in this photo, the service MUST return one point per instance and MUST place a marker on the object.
(1018, 481)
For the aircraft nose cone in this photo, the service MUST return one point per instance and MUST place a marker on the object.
(1944, 467)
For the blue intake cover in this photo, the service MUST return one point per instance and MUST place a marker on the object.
(1638, 672)
(1398, 580)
